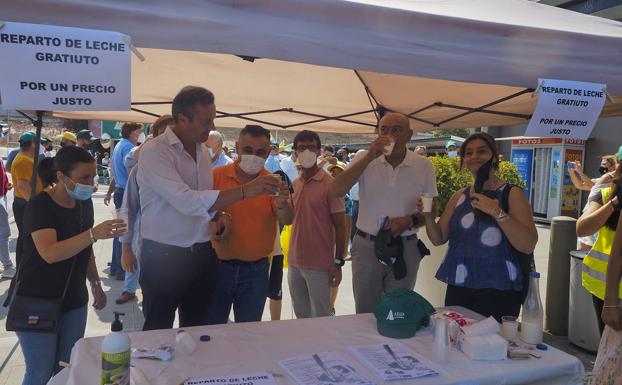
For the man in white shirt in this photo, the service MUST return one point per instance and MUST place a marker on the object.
(390, 182)
(179, 268)
(288, 165)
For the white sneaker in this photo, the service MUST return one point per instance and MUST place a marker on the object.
(9, 272)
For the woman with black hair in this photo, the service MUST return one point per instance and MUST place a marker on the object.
(490, 228)
(57, 260)
(601, 216)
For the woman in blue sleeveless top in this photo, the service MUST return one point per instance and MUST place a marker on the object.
(481, 269)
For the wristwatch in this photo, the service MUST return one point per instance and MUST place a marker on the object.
(339, 262)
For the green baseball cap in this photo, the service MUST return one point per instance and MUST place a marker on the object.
(401, 312)
(86, 134)
(27, 136)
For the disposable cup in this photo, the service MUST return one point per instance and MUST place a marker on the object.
(427, 200)
(278, 177)
(388, 149)
(121, 214)
(509, 328)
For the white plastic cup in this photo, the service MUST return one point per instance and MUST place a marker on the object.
(122, 214)
(427, 200)
(388, 149)
(184, 343)
(509, 328)
(278, 177)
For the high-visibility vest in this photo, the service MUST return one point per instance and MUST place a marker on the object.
(594, 271)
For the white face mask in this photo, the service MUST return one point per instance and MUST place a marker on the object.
(307, 159)
(251, 164)
(452, 154)
(211, 152)
(141, 138)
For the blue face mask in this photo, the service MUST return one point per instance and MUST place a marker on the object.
(81, 192)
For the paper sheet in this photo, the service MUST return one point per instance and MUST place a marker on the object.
(322, 369)
(393, 361)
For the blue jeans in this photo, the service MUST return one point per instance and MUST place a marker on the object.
(42, 351)
(243, 285)
(131, 279)
(115, 267)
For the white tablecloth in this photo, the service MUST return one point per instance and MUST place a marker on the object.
(255, 347)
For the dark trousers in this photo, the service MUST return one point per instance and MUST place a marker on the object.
(115, 266)
(598, 306)
(177, 278)
(275, 280)
(487, 302)
(19, 207)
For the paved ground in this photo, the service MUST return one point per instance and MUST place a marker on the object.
(12, 362)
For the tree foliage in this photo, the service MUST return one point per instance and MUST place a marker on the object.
(449, 177)
(461, 132)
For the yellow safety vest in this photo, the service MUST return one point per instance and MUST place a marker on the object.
(594, 272)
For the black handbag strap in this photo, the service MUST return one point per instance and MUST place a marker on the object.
(75, 258)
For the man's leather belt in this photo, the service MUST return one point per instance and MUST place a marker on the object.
(240, 262)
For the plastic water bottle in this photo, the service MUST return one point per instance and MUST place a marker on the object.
(533, 315)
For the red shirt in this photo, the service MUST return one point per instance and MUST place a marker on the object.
(4, 184)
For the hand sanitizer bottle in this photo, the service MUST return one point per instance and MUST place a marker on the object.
(116, 352)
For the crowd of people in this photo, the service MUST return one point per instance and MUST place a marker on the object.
(203, 229)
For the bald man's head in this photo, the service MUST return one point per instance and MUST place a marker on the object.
(395, 117)
(397, 126)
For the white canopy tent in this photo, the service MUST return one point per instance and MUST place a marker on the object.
(328, 64)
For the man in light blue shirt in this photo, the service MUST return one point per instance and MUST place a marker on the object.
(273, 163)
(214, 145)
(131, 242)
(130, 133)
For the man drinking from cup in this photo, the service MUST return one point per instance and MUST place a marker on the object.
(243, 254)
(391, 180)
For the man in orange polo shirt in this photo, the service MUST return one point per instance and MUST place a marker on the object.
(243, 255)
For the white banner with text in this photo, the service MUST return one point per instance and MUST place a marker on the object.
(65, 69)
(566, 109)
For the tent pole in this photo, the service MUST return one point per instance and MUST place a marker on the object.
(523, 116)
(145, 112)
(370, 96)
(479, 109)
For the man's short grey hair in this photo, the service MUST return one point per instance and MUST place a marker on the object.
(217, 135)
